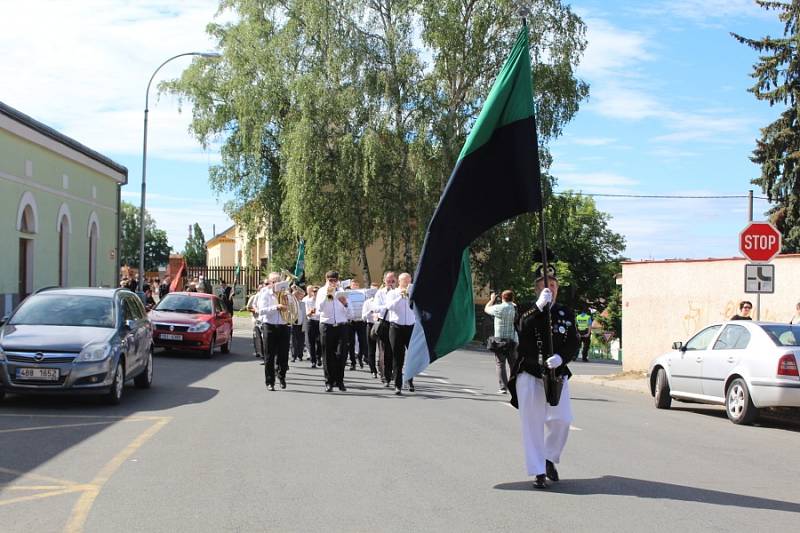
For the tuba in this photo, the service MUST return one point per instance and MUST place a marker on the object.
(291, 313)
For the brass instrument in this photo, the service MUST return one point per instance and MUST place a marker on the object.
(331, 291)
(291, 308)
(404, 292)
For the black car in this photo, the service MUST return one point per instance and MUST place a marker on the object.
(88, 341)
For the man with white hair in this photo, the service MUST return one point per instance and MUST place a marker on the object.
(401, 322)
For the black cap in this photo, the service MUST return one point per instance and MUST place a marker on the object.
(539, 273)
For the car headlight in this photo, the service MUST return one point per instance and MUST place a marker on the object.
(199, 327)
(93, 352)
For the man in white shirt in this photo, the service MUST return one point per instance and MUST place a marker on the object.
(297, 336)
(379, 306)
(401, 321)
(275, 332)
(369, 316)
(331, 306)
(357, 326)
(311, 326)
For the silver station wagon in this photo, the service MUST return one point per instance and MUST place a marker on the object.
(87, 341)
(741, 364)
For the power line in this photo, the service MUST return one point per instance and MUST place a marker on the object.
(664, 196)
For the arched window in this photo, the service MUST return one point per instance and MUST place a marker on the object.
(64, 231)
(94, 238)
(28, 226)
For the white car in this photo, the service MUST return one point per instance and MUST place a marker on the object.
(743, 365)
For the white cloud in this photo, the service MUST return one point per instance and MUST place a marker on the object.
(82, 68)
(705, 11)
(593, 181)
(611, 49)
(593, 141)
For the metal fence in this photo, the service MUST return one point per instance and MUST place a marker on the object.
(248, 277)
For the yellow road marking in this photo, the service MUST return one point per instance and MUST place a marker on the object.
(59, 492)
(37, 428)
(80, 512)
(40, 477)
(108, 417)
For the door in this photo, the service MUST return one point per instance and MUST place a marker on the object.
(25, 268)
(133, 335)
(686, 364)
(720, 360)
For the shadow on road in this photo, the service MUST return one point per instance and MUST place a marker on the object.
(35, 429)
(767, 419)
(624, 486)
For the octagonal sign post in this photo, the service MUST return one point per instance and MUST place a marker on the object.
(760, 242)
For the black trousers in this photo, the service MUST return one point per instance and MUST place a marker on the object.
(585, 343)
(387, 357)
(276, 348)
(399, 336)
(311, 328)
(372, 351)
(334, 349)
(298, 342)
(258, 343)
(358, 329)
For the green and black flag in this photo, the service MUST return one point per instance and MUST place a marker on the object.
(300, 264)
(496, 178)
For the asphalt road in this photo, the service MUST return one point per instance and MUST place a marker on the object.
(208, 448)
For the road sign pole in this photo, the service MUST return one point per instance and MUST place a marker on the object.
(758, 306)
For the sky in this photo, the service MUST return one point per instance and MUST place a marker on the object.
(668, 112)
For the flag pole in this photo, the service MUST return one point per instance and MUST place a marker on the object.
(548, 375)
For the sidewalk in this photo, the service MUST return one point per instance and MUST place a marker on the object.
(630, 381)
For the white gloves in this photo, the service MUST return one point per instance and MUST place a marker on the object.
(554, 361)
(545, 297)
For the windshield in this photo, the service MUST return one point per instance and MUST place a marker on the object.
(65, 310)
(182, 303)
(783, 335)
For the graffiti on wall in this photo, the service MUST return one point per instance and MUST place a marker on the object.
(698, 315)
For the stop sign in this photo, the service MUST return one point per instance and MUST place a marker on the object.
(760, 242)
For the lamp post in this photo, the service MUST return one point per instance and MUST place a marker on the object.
(144, 158)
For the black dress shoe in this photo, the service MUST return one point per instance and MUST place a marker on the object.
(313, 366)
(328, 388)
(361, 364)
(411, 387)
(342, 388)
(353, 366)
(283, 383)
(539, 482)
(552, 473)
(387, 384)
(271, 387)
(398, 391)
(375, 375)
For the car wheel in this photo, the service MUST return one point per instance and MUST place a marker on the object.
(145, 379)
(662, 398)
(738, 403)
(117, 386)
(210, 352)
(226, 348)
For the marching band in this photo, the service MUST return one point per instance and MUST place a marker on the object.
(332, 322)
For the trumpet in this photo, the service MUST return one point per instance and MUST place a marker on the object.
(331, 292)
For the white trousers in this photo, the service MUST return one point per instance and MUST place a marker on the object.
(544, 428)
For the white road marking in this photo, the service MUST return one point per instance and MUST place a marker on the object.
(471, 391)
(440, 380)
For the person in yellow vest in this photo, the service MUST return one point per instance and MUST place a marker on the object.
(583, 322)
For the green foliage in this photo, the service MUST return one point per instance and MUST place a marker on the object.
(156, 244)
(194, 251)
(777, 75)
(341, 121)
(611, 319)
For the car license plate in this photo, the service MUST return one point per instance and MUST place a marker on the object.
(42, 374)
(168, 337)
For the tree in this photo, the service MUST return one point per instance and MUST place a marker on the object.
(342, 120)
(194, 251)
(777, 75)
(156, 244)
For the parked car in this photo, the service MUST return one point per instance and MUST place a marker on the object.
(76, 341)
(743, 365)
(192, 321)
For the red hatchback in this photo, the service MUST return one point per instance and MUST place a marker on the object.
(192, 321)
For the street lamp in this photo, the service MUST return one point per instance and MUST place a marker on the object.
(144, 156)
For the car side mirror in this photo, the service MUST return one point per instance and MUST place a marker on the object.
(678, 345)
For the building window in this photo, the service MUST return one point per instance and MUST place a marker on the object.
(63, 252)
(94, 243)
(28, 226)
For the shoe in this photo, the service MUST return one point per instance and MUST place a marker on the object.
(411, 387)
(283, 383)
(353, 366)
(398, 391)
(375, 375)
(502, 391)
(585, 360)
(294, 359)
(342, 388)
(328, 388)
(313, 365)
(271, 387)
(361, 364)
(539, 482)
(552, 473)
(387, 384)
